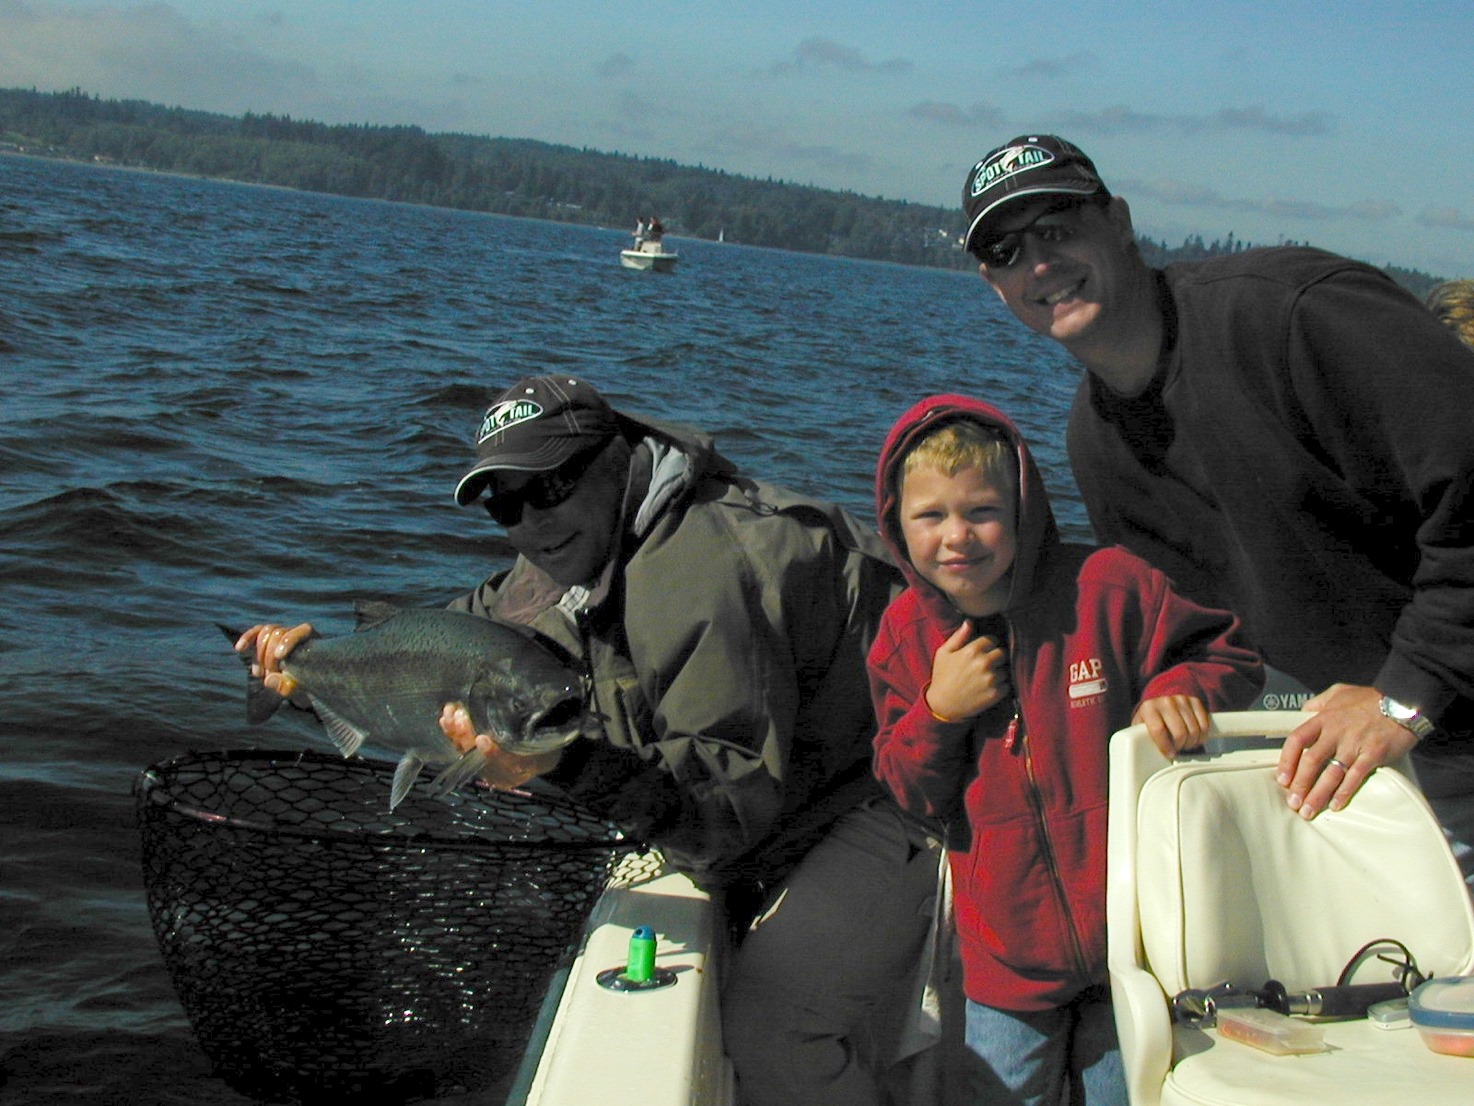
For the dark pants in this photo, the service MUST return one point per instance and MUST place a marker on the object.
(842, 937)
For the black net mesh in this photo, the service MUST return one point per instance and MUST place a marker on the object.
(323, 947)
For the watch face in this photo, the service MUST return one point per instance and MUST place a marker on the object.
(1405, 715)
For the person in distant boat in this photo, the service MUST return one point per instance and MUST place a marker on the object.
(723, 622)
(656, 230)
(1284, 432)
(1452, 303)
(998, 677)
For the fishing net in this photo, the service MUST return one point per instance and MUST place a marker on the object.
(324, 948)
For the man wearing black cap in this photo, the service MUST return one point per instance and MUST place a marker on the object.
(1286, 433)
(724, 624)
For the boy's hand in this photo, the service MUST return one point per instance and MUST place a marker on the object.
(967, 676)
(1174, 722)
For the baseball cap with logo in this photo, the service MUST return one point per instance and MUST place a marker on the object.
(1030, 165)
(535, 425)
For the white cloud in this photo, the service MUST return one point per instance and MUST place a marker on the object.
(1040, 69)
(148, 52)
(822, 53)
(1185, 194)
(1121, 119)
(950, 115)
(1445, 218)
(618, 65)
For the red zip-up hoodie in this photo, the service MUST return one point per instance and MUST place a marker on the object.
(1021, 788)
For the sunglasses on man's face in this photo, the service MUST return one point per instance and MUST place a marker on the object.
(1004, 250)
(544, 491)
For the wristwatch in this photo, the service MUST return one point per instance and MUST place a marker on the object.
(1409, 718)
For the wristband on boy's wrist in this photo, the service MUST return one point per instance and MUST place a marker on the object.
(927, 704)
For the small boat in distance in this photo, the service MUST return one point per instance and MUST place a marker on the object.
(649, 250)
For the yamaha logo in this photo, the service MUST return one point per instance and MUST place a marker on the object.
(1005, 163)
(507, 414)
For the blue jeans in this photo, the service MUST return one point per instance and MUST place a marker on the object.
(1045, 1057)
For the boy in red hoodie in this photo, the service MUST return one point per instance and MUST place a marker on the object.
(998, 677)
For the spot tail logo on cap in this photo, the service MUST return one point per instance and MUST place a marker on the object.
(1006, 163)
(508, 413)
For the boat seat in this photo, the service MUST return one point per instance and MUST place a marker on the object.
(1212, 878)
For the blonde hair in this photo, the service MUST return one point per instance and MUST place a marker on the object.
(1453, 303)
(961, 444)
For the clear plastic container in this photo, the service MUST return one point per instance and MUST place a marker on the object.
(1443, 1011)
(1271, 1031)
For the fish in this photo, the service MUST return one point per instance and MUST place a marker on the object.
(385, 684)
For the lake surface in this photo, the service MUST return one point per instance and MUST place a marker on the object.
(232, 403)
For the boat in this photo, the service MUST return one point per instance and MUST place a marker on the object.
(629, 1014)
(649, 250)
(662, 1045)
(656, 1043)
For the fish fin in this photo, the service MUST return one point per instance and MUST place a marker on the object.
(346, 736)
(371, 612)
(404, 778)
(459, 772)
(261, 702)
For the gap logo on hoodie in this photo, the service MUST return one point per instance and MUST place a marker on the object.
(1087, 682)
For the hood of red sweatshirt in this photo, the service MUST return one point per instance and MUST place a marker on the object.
(1038, 536)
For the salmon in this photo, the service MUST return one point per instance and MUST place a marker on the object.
(385, 685)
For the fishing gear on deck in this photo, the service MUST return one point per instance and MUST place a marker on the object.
(1199, 1006)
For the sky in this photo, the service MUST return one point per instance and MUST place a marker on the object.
(1344, 124)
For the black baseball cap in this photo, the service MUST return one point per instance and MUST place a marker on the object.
(1030, 165)
(535, 425)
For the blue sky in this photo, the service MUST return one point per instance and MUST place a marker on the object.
(1346, 124)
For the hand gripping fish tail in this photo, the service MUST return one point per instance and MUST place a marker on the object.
(261, 701)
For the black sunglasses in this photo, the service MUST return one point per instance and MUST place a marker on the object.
(1004, 250)
(544, 491)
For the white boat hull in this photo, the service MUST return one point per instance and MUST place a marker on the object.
(661, 1047)
(640, 259)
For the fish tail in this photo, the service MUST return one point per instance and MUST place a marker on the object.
(261, 702)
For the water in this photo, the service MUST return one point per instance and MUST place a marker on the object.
(234, 403)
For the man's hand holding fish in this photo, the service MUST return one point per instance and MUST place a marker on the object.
(504, 770)
(271, 643)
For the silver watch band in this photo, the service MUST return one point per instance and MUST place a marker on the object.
(1409, 718)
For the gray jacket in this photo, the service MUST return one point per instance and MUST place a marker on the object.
(727, 657)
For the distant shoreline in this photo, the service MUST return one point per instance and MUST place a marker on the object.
(199, 177)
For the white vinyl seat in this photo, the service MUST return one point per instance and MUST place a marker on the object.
(1213, 879)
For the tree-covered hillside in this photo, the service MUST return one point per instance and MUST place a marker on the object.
(508, 176)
